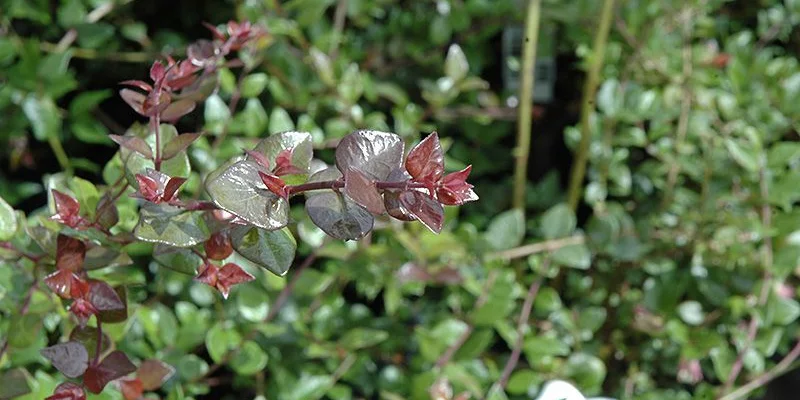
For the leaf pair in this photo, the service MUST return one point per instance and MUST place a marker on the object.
(72, 359)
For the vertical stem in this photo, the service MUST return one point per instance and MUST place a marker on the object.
(58, 150)
(99, 346)
(589, 90)
(156, 122)
(526, 103)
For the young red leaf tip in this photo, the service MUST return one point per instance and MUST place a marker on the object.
(275, 185)
(138, 84)
(363, 191)
(65, 284)
(283, 164)
(67, 210)
(68, 391)
(259, 158)
(231, 274)
(425, 162)
(132, 389)
(171, 188)
(157, 72)
(148, 188)
(218, 246)
(70, 253)
(454, 189)
(82, 309)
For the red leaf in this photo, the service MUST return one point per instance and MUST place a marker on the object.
(391, 200)
(82, 309)
(70, 253)
(148, 188)
(231, 274)
(454, 189)
(283, 164)
(70, 358)
(157, 71)
(108, 303)
(218, 247)
(208, 275)
(134, 99)
(67, 209)
(173, 184)
(138, 84)
(362, 190)
(178, 109)
(133, 143)
(68, 391)
(153, 374)
(214, 31)
(274, 184)
(425, 162)
(61, 283)
(114, 366)
(131, 388)
(423, 208)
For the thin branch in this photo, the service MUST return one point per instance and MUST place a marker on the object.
(525, 314)
(339, 18)
(534, 248)
(526, 103)
(766, 283)
(782, 367)
(587, 106)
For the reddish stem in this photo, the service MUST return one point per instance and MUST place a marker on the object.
(338, 184)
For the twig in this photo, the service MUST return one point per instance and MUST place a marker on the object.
(783, 366)
(534, 248)
(533, 290)
(589, 90)
(339, 17)
(686, 106)
(766, 260)
(484, 296)
(526, 103)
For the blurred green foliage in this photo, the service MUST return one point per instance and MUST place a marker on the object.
(691, 234)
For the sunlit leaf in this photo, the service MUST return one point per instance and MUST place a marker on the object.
(273, 250)
(159, 223)
(374, 153)
(334, 213)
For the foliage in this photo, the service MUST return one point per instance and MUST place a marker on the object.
(676, 279)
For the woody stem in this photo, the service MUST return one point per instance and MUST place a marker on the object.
(338, 184)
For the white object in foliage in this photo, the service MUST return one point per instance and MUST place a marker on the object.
(561, 390)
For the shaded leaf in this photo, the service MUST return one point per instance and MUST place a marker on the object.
(273, 250)
(218, 247)
(178, 144)
(70, 358)
(70, 253)
(177, 109)
(359, 188)
(574, 256)
(110, 303)
(106, 212)
(558, 221)
(114, 366)
(250, 359)
(424, 208)
(13, 383)
(153, 374)
(87, 336)
(177, 258)
(359, 338)
(159, 223)
(103, 257)
(374, 153)
(335, 214)
(133, 143)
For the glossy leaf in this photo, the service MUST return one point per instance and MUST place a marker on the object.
(171, 225)
(70, 253)
(425, 162)
(425, 209)
(374, 153)
(454, 189)
(177, 258)
(67, 209)
(68, 391)
(359, 188)
(70, 358)
(109, 302)
(114, 366)
(218, 247)
(273, 250)
(296, 144)
(8, 221)
(335, 214)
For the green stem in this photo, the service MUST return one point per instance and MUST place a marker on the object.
(526, 103)
(589, 90)
(61, 155)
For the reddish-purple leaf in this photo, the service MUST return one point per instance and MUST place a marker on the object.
(274, 184)
(134, 99)
(208, 275)
(157, 71)
(70, 253)
(82, 309)
(148, 188)
(259, 158)
(133, 143)
(178, 144)
(391, 200)
(454, 189)
(171, 188)
(374, 153)
(68, 391)
(231, 274)
(70, 358)
(106, 211)
(362, 190)
(132, 389)
(114, 366)
(425, 162)
(66, 284)
(153, 374)
(218, 247)
(177, 109)
(283, 164)
(67, 209)
(423, 208)
(138, 84)
(110, 303)
(87, 336)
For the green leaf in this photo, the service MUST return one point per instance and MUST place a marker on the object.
(254, 84)
(280, 121)
(171, 225)
(360, 338)
(252, 303)
(521, 381)
(8, 221)
(558, 221)
(722, 358)
(14, 383)
(691, 312)
(322, 63)
(177, 259)
(586, 370)
(574, 256)
(221, 338)
(785, 310)
(309, 387)
(745, 156)
(250, 359)
(506, 230)
(455, 65)
(191, 367)
(351, 86)
(216, 114)
(273, 250)
(43, 115)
